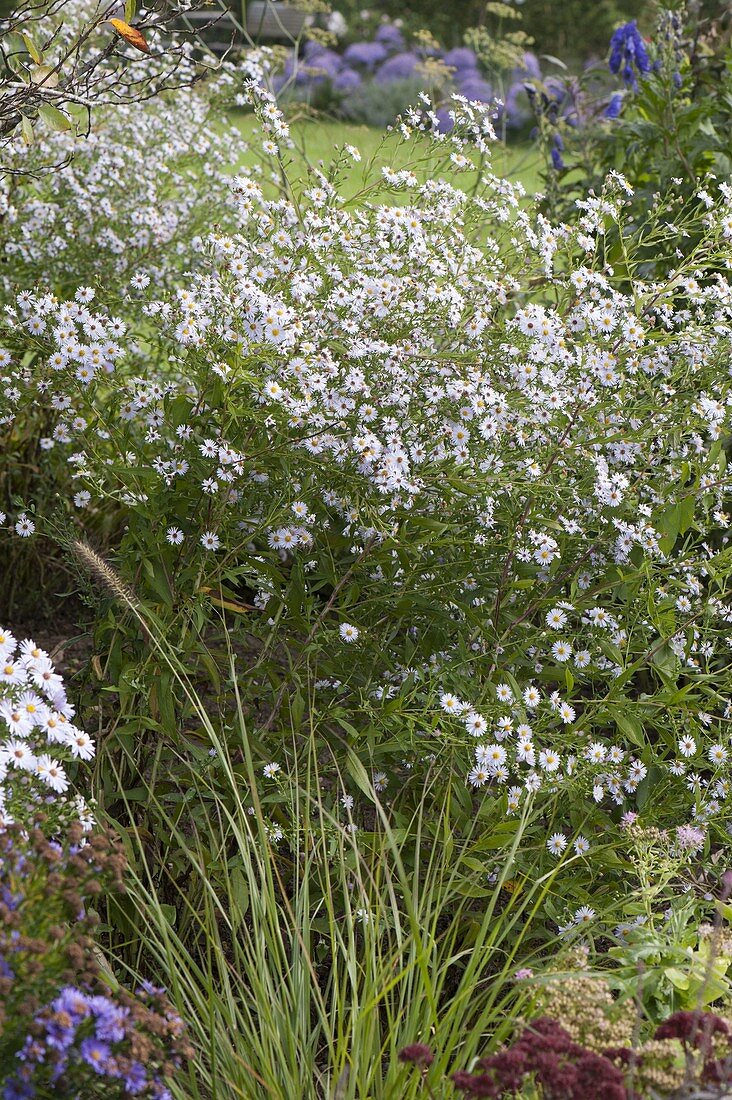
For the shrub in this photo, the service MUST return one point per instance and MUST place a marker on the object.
(373, 82)
(137, 190)
(422, 561)
(326, 423)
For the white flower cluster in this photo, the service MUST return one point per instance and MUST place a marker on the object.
(502, 459)
(138, 189)
(605, 769)
(37, 736)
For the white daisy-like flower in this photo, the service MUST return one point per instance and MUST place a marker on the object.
(687, 745)
(556, 844)
(561, 651)
(556, 618)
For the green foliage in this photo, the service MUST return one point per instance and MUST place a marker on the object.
(672, 134)
(307, 963)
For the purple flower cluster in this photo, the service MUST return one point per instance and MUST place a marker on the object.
(388, 60)
(93, 1042)
(628, 54)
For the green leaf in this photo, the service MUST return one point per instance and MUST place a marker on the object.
(678, 979)
(357, 772)
(55, 118)
(130, 9)
(646, 786)
(170, 914)
(631, 727)
(26, 127)
(32, 48)
(686, 513)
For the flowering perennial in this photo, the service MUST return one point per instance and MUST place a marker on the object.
(342, 387)
(38, 738)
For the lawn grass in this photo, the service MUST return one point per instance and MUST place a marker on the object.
(316, 139)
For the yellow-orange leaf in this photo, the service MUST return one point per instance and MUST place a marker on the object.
(130, 34)
(228, 605)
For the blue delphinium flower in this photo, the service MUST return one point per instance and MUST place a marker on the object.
(614, 107)
(628, 54)
(556, 151)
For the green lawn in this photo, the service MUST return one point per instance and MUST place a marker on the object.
(316, 140)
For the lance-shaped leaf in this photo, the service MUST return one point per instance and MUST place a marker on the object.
(130, 34)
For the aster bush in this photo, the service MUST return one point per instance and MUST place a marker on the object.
(59, 61)
(344, 388)
(129, 194)
(137, 191)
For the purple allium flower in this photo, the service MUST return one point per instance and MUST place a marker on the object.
(445, 123)
(399, 67)
(324, 65)
(474, 87)
(628, 54)
(346, 80)
(515, 107)
(311, 49)
(368, 54)
(462, 59)
(390, 36)
(529, 68)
